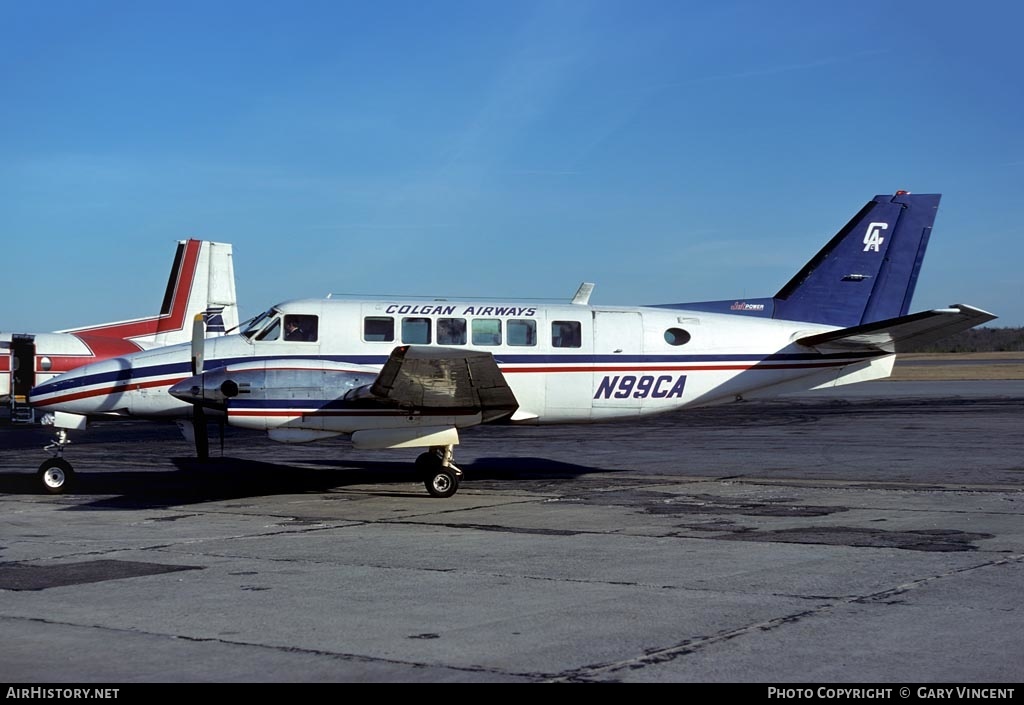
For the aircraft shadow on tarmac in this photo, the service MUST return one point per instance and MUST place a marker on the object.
(193, 481)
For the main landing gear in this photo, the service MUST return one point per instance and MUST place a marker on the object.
(55, 475)
(441, 476)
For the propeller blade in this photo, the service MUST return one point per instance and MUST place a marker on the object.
(202, 435)
(198, 343)
(198, 414)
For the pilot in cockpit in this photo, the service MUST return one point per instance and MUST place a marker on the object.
(295, 328)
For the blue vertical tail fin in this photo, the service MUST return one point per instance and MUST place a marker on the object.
(869, 270)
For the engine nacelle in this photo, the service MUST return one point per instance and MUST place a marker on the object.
(273, 383)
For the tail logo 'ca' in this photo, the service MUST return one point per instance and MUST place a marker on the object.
(873, 238)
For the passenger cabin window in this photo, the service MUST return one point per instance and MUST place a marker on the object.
(565, 334)
(301, 327)
(379, 329)
(486, 331)
(522, 332)
(451, 331)
(416, 330)
(677, 336)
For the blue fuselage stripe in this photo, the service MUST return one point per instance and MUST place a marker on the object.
(183, 369)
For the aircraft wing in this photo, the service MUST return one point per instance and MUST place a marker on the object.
(900, 334)
(443, 378)
(432, 381)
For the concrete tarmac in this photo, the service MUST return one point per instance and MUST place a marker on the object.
(870, 534)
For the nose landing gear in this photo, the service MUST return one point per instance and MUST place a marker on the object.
(55, 474)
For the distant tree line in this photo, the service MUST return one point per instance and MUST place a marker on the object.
(978, 340)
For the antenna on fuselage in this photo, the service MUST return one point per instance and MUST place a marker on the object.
(582, 297)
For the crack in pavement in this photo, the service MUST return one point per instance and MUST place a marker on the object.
(670, 653)
(276, 647)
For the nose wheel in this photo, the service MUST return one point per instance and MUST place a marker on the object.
(441, 476)
(55, 475)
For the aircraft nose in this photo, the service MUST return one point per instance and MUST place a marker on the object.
(88, 389)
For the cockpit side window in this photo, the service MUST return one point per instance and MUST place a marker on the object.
(257, 323)
(272, 331)
(302, 327)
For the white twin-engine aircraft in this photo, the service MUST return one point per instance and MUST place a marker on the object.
(397, 373)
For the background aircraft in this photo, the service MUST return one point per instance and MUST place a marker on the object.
(202, 281)
(403, 373)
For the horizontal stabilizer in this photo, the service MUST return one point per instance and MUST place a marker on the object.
(445, 378)
(900, 334)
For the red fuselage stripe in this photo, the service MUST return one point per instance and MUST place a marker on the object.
(110, 390)
(628, 369)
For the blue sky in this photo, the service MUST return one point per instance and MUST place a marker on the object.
(666, 150)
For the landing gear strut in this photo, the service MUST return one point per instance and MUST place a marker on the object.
(441, 476)
(55, 475)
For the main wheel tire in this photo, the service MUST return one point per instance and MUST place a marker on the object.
(428, 462)
(442, 482)
(55, 476)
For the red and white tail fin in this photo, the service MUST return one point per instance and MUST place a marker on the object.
(205, 285)
(202, 281)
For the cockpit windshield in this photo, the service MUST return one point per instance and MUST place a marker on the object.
(268, 319)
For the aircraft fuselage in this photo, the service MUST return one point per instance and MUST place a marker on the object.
(564, 363)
